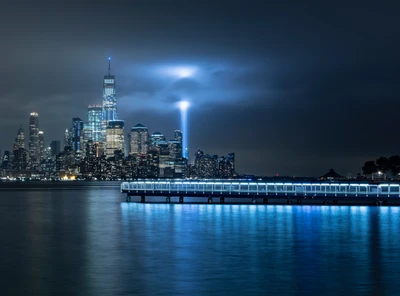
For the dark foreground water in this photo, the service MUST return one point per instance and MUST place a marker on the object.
(90, 242)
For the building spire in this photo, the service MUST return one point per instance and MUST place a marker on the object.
(109, 66)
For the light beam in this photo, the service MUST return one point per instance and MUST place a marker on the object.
(183, 106)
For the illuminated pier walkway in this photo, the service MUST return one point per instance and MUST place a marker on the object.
(262, 192)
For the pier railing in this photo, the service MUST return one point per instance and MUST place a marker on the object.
(233, 188)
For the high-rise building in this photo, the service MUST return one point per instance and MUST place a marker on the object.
(206, 166)
(226, 166)
(41, 150)
(20, 155)
(55, 148)
(20, 139)
(139, 138)
(5, 162)
(34, 137)
(175, 150)
(155, 138)
(77, 134)
(95, 115)
(109, 99)
(67, 138)
(114, 137)
(178, 135)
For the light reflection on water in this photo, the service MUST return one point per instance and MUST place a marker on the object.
(91, 243)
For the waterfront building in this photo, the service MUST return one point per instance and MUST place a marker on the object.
(109, 100)
(114, 137)
(226, 166)
(77, 134)
(205, 166)
(95, 115)
(138, 140)
(34, 137)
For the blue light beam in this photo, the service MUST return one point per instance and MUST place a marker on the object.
(184, 105)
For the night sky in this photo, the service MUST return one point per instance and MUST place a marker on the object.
(293, 88)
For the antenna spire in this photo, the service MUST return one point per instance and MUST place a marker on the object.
(109, 66)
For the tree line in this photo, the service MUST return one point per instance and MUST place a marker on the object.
(384, 165)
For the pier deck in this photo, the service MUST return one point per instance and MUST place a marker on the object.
(263, 192)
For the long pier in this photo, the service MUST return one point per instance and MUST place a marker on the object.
(263, 192)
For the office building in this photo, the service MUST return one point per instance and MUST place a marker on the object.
(95, 115)
(114, 137)
(77, 134)
(41, 151)
(67, 139)
(138, 140)
(109, 100)
(34, 137)
(20, 139)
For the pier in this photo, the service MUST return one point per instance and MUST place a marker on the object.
(217, 191)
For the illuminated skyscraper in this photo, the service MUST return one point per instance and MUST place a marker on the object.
(34, 136)
(20, 156)
(41, 151)
(77, 134)
(67, 138)
(20, 139)
(95, 115)
(109, 99)
(178, 138)
(139, 138)
(114, 137)
(155, 138)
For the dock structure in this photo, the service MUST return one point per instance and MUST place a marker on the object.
(264, 192)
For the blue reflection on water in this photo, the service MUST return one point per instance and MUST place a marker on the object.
(91, 243)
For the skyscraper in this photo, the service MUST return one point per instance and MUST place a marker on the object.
(67, 138)
(20, 157)
(139, 138)
(95, 115)
(20, 139)
(41, 147)
(34, 136)
(178, 137)
(109, 99)
(77, 128)
(55, 148)
(114, 137)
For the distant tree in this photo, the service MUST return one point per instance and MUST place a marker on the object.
(369, 168)
(394, 162)
(383, 164)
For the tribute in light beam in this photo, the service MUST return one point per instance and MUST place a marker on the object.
(184, 105)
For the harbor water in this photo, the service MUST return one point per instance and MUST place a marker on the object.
(89, 241)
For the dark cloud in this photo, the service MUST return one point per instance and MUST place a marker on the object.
(293, 88)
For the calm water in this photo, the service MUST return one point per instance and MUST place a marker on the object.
(90, 242)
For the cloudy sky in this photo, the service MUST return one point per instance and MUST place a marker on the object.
(292, 87)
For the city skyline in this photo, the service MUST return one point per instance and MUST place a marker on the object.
(290, 91)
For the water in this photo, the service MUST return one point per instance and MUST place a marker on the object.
(90, 242)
